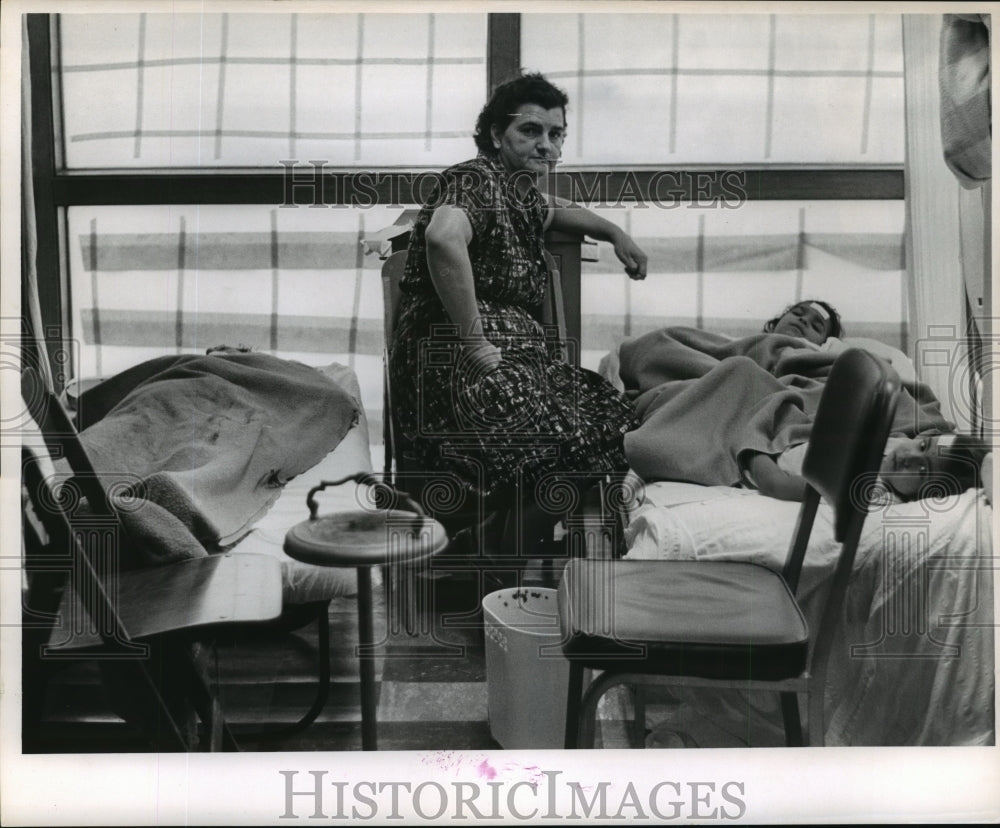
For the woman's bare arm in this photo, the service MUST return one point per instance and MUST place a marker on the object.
(447, 236)
(572, 218)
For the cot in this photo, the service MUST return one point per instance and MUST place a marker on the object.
(196, 461)
(913, 660)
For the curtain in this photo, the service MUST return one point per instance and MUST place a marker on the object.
(934, 265)
(33, 349)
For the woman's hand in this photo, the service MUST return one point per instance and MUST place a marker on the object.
(574, 219)
(481, 356)
(630, 255)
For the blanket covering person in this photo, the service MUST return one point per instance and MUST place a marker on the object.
(194, 448)
(703, 399)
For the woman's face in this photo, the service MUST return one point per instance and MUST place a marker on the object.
(533, 140)
(910, 464)
(807, 320)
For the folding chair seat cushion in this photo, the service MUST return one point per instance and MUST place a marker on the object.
(177, 597)
(615, 612)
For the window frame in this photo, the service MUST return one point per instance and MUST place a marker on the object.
(56, 189)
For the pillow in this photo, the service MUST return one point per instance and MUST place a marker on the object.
(895, 357)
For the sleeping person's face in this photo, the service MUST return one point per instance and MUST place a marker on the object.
(910, 464)
(808, 320)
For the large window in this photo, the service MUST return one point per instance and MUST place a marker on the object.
(161, 182)
(731, 270)
(179, 279)
(190, 90)
(725, 89)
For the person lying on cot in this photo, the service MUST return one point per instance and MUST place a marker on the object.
(813, 322)
(940, 464)
(815, 325)
(929, 465)
(819, 324)
(709, 404)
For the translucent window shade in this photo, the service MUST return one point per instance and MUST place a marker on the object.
(724, 89)
(729, 271)
(292, 282)
(188, 90)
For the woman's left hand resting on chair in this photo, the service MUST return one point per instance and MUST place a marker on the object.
(572, 218)
(448, 236)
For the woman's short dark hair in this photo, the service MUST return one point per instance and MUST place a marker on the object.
(505, 100)
(836, 327)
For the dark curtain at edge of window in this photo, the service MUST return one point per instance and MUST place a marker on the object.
(49, 273)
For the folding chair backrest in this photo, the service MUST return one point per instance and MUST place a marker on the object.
(842, 461)
(849, 435)
(61, 439)
(554, 309)
(392, 274)
(845, 449)
(57, 504)
(95, 539)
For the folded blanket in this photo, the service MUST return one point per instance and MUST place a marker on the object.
(703, 399)
(208, 441)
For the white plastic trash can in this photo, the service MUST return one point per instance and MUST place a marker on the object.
(527, 676)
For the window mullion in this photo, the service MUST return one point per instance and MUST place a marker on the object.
(503, 49)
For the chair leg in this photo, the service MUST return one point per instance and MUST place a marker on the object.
(639, 717)
(549, 573)
(587, 721)
(35, 674)
(573, 697)
(322, 689)
(323, 663)
(366, 658)
(323, 675)
(153, 695)
(217, 735)
(816, 737)
(790, 717)
(580, 728)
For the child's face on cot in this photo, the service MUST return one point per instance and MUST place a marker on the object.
(910, 464)
(807, 320)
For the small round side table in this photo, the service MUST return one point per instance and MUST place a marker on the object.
(396, 537)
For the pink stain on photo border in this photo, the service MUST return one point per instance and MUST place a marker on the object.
(458, 763)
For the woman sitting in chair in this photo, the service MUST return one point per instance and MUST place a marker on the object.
(475, 388)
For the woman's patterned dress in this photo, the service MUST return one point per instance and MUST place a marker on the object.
(533, 421)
